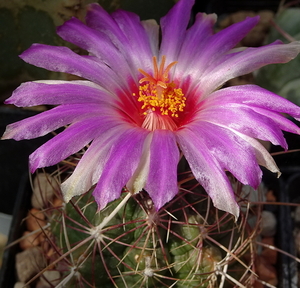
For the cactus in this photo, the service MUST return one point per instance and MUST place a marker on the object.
(187, 243)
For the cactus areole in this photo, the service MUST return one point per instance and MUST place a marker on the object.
(143, 101)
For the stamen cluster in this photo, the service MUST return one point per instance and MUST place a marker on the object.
(170, 101)
(160, 94)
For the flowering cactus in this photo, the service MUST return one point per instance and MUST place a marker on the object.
(189, 243)
(144, 101)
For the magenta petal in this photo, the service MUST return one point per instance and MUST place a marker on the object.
(97, 43)
(232, 152)
(173, 27)
(207, 171)
(51, 120)
(247, 61)
(219, 44)
(68, 142)
(83, 177)
(244, 120)
(162, 178)
(121, 164)
(252, 96)
(100, 20)
(261, 101)
(196, 37)
(132, 28)
(59, 92)
(62, 59)
(121, 28)
(262, 155)
(281, 121)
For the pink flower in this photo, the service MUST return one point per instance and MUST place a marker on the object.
(143, 102)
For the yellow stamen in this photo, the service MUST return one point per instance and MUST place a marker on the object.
(160, 94)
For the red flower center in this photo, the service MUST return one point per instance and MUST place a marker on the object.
(162, 100)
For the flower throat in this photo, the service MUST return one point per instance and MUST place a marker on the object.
(160, 95)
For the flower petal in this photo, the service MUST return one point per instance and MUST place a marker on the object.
(98, 44)
(244, 120)
(68, 142)
(137, 37)
(207, 171)
(281, 121)
(100, 20)
(252, 96)
(51, 92)
(162, 178)
(139, 178)
(125, 32)
(246, 62)
(62, 59)
(157, 169)
(43, 123)
(123, 160)
(262, 155)
(173, 28)
(217, 45)
(196, 37)
(231, 151)
(83, 177)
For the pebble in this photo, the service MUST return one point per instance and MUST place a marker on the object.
(44, 188)
(35, 219)
(20, 285)
(49, 279)
(266, 271)
(29, 240)
(267, 253)
(29, 262)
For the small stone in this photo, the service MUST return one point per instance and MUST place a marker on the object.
(29, 240)
(20, 285)
(44, 188)
(49, 279)
(29, 262)
(40, 284)
(35, 219)
(266, 271)
(268, 253)
(268, 224)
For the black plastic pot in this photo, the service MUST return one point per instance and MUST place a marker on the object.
(289, 266)
(14, 185)
(286, 266)
(22, 205)
(14, 157)
(289, 165)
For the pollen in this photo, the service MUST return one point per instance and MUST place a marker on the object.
(158, 94)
